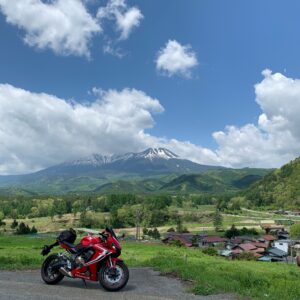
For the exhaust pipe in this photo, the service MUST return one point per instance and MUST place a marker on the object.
(63, 271)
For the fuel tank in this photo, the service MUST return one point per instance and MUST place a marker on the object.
(89, 240)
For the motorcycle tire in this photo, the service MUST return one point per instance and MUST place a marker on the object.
(114, 282)
(48, 276)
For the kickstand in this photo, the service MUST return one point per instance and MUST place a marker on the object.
(84, 283)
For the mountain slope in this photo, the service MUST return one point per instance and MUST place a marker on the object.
(88, 173)
(150, 171)
(280, 188)
(217, 181)
(152, 161)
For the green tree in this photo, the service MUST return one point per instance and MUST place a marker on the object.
(23, 229)
(33, 230)
(236, 203)
(179, 226)
(145, 231)
(14, 224)
(2, 223)
(232, 232)
(217, 220)
(295, 231)
(155, 234)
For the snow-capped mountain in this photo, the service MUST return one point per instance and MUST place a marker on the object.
(97, 160)
(130, 172)
(151, 162)
(156, 153)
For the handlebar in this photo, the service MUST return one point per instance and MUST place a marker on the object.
(103, 236)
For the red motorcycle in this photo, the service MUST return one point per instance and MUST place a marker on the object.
(95, 258)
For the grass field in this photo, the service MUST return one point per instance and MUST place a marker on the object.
(247, 218)
(210, 275)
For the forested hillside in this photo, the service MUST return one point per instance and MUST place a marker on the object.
(280, 188)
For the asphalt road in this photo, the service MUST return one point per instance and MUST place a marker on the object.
(143, 284)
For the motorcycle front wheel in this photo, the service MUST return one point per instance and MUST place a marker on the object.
(49, 275)
(114, 279)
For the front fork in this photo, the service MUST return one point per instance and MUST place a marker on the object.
(112, 261)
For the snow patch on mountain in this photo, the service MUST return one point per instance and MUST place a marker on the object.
(153, 153)
(97, 160)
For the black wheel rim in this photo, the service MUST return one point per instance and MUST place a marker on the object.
(52, 275)
(113, 277)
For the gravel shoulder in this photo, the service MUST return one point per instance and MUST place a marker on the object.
(144, 283)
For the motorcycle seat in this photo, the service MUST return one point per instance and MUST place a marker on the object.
(79, 248)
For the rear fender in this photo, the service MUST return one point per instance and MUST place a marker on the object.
(61, 262)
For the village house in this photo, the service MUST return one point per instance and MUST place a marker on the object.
(268, 228)
(264, 248)
(283, 245)
(248, 247)
(186, 239)
(268, 239)
(274, 254)
(212, 241)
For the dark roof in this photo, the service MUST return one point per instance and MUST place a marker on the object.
(236, 241)
(172, 234)
(260, 245)
(247, 238)
(246, 246)
(276, 252)
(184, 238)
(268, 237)
(214, 239)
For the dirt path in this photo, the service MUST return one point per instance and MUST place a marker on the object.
(144, 283)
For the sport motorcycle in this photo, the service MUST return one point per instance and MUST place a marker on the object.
(95, 258)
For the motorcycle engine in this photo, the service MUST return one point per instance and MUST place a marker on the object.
(84, 257)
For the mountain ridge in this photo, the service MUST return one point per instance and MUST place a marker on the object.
(144, 171)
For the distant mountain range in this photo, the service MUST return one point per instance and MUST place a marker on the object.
(153, 170)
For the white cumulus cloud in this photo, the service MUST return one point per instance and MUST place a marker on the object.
(64, 26)
(39, 130)
(176, 59)
(125, 18)
(275, 139)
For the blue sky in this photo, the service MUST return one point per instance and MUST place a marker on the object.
(233, 41)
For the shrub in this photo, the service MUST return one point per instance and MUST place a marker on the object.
(14, 224)
(23, 229)
(246, 256)
(156, 234)
(152, 233)
(210, 251)
(295, 230)
(176, 243)
(33, 230)
(185, 230)
(233, 232)
(171, 229)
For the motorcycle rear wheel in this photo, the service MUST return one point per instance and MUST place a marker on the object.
(114, 280)
(49, 276)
